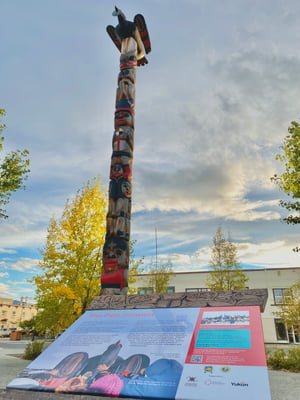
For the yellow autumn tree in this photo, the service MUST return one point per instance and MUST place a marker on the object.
(289, 310)
(159, 277)
(226, 273)
(72, 260)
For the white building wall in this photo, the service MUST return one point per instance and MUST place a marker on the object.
(275, 278)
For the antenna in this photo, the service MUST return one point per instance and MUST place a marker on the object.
(156, 247)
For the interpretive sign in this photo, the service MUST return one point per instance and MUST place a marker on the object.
(169, 353)
(226, 356)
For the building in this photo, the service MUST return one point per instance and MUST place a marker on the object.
(12, 312)
(276, 280)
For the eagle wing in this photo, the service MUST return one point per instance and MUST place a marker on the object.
(140, 23)
(113, 35)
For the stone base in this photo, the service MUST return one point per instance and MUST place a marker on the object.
(230, 298)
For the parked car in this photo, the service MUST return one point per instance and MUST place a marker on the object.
(5, 332)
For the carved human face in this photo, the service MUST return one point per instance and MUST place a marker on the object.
(123, 118)
(120, 168)
(117, 171)
(115, 255)
(126, 189)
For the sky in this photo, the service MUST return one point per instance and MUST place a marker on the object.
(212, 109)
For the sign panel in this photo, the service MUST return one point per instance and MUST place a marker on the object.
(226, 357)
(168, 353)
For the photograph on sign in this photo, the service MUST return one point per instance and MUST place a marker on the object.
(225, 318)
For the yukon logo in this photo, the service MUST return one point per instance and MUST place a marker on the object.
(239, 384)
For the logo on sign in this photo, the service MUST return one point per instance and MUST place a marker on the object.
(225, 369)
(191, 381)
(239, 384)
(210, 382)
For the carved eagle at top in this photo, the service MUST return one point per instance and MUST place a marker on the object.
(136, 29)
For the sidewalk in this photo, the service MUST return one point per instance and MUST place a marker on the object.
(10, 365)
(284, 385)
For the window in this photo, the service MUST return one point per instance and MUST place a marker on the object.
(196, 290)
(281, 332)
(293, 336)
(171, 289)
(150, 290)
(281, 296)
(145, 290)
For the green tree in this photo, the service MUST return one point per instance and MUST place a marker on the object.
(289, 310)
(14, 169)
(72, 260)
(159, 277)
(289, 180)
(28, 325)
(226, 273)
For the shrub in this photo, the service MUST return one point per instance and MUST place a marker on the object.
(281, 359)
(292, 361)
(275, 359)
(32, 350)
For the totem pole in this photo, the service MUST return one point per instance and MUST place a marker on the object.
(132, 40)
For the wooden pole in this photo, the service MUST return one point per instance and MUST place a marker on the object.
(114, 277)
(132, 40)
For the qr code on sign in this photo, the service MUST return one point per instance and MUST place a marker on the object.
(196, 359)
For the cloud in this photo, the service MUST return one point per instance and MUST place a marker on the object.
(17, 236)
(27, 225)
(212, 109)
(25, 264)
(16, 291)
(214, 191)
(22, 264)
(222, 144)
(277, 253)
(7, 251)
(4, 290)
(3, 274)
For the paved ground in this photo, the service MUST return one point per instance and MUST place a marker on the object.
(284, 385)
(10, 362)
